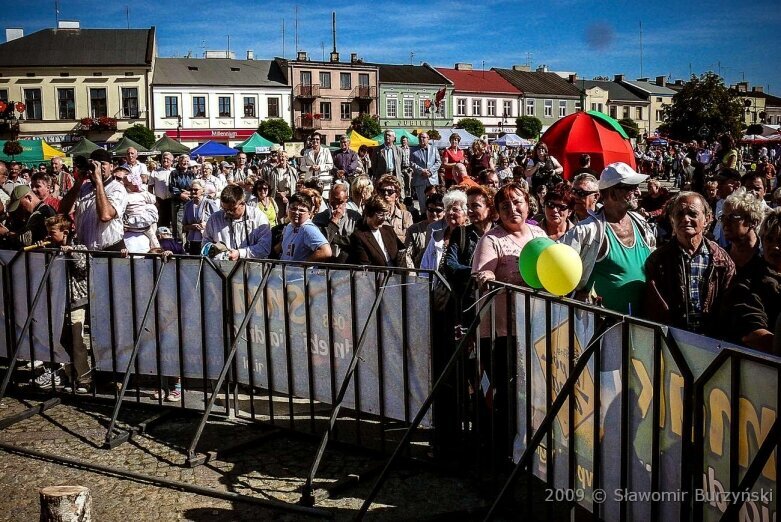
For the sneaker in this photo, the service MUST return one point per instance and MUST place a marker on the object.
(81, 389)
(32, 365)
(47, 377)
(158, 394)
(174, 396)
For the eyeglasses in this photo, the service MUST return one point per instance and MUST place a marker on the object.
(733, 218)
(435, 210)
(556, 206)
(628, 188)
(387, 191)
(583, 193)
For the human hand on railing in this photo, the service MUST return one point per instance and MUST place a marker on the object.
(482, 278)
(124, 252)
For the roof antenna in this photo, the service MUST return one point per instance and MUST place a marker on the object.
(57, 12)
(297, 49)
(127, 15)
(283, 38)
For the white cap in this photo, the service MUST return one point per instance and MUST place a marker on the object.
(617, 173)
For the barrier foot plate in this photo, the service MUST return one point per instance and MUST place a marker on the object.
(194, 459)
(307, 497)
(142, 426)
(29, 412)
(119, 438)
(240, 446)
(353, 479)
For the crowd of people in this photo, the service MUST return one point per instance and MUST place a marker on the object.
(706, 258)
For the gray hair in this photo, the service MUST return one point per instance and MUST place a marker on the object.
(771, 224)
(587, 178)
(168, 155)
(454, 196)
(746, 202)
(682, 195)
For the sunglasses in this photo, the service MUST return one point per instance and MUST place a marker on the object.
(556, 206)
(435, 210)
(622, 186)
(583, 193)
(734, 218)
(387, 191)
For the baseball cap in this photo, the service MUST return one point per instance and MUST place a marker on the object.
(17, 194)
(100, 155)
(617, 173)
(224, 164)
(163, 231)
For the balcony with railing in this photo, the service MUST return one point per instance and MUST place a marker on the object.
(309, 121)
(365, 92)
(304, 91)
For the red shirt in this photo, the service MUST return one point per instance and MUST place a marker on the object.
(451, 156)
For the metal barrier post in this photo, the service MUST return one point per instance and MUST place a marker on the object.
(192, 460)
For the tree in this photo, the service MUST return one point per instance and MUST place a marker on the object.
(141, 135)
(703, 110)
(472, 126)
(528, 127)
(434, 135)
(12, 148)
(366, 125)
(276, 130)
(630, 127)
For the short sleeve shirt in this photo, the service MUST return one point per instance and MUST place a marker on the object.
(299, 243)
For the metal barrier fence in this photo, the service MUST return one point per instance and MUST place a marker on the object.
(596, 405)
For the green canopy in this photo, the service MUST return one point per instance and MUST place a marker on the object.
(255, 143)
(120, 149)
(413, 140)
(610, 121)
(33, 151)
(83, 148)
(167, 144)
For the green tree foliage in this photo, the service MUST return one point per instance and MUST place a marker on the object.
(472, 126)
(141, 134)
(528, 127)
(434, 135)
(704, 109)
(630, 127)
(12, 148)
(366, 125)
(276, 130)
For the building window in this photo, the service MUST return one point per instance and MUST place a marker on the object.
(325, 80)
(171, 107)
(529, 107)
(97, 102)
(199, 106)
(639, 113)
(549, 108)
(507, 111)
(273, 107)
(562, 108)
(249, 107)
(66, 104)
(422, 111)
(390, 107)
(461, 107)
(325, 110)
(626, 114)
(130, 102)
(4, 95)
(32, 99)
(477, 107)
(597, 107)
(491, 108)
(363, 80)
(346, 111)
(224, 106)
(345, 81)
(409, 108)
(578, 106)
(306, 77)
(660, 116)
(614, 112)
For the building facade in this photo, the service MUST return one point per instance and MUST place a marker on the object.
(754, 102)
(615, 100)
(68, 93)
(656, 93)
(544, 95)
(408, 97)
(328, 95)
(217, 99)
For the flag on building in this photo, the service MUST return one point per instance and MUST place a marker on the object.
(440, 96)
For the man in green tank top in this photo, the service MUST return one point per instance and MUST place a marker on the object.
(614, 243)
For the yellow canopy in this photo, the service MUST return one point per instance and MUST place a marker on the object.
(50, 152)
(356, 140)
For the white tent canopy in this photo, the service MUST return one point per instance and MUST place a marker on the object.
(467, 139)
(512, 140)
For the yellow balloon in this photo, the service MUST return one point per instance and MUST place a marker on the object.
(559, 268)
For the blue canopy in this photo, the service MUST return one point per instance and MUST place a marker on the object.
(513, 140)
(213, 148)
(444, 142)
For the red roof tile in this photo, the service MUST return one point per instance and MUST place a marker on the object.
(478, 81)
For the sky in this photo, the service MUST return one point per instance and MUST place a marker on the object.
(739, 40)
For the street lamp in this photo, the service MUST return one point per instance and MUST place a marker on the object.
(179, 127)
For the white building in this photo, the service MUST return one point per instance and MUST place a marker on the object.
(219, 99)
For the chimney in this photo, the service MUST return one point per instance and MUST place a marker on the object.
(643, 79)
(463, 67)
(522, 68)
(573, 78)
(757, 88)
(742, 86)
(542, 68)
(68, 24)
(334, 57)
(618, 78)
(250, 55)
(301, 56)
(14, 33)
(679, 83)
(660, 81)
(353, 57)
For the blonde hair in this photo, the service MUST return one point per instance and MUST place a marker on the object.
(362, 188)
(746, 202)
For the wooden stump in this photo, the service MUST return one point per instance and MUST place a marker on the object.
(66, 504)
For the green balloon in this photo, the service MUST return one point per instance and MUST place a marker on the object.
(527, 261)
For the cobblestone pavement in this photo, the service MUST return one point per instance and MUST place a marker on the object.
(274, 469)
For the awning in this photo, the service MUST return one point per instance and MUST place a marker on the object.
(356, 140)
(413, 140)
(255, 144)
(120, 149)
(33, 151)
(512, 140)
(212, 149)
(168, 144)
(467, 139)
(82, 148)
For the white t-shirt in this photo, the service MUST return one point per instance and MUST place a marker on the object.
(93, 233)
(159, 180)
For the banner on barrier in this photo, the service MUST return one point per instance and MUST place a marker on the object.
(757, 412)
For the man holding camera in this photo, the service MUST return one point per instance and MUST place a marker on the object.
(100, 202)
(237, 229)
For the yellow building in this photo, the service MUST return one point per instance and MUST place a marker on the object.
(656, 93)
(754, 103)
(76, 82)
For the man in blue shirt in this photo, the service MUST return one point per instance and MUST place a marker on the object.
(302, 239)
